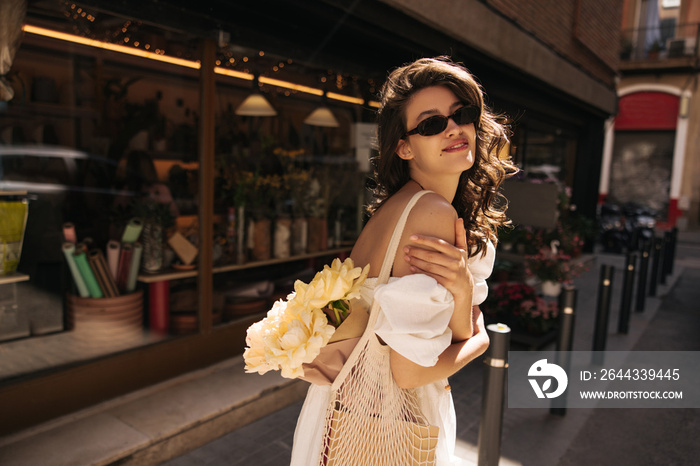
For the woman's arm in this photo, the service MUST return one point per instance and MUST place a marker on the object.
(409, 374)
(447, 264)
(435, 244)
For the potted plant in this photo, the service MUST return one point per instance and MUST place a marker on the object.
(157, 219)
(654, 49)
(551, 267)
(260, 209)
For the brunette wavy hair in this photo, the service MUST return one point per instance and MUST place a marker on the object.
(477, 200)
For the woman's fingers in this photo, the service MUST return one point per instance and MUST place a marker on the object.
(460, 234)
(433, 266)
(429, 255)
(437, 258)
(431, 242)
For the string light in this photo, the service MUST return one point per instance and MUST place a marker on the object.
(159, 55)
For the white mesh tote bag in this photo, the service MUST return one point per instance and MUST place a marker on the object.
(370, 421)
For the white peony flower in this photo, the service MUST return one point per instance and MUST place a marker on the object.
(299, 341)
(342, 280)
(295, 330)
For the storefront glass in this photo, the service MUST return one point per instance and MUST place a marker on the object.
(103, 135)
(286, 177)
(102, 130)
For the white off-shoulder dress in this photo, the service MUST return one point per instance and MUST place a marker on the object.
(414, 318)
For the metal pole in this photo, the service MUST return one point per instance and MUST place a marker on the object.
(674, 243)
(565, 340)
(655, 266)
(493, 397)
(668, 253)
(663, 259)
(643, 275)
(627, 286)
(603, 311)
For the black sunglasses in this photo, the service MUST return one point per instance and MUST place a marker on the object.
(436, 124)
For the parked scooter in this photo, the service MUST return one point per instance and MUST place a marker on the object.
(625, 228)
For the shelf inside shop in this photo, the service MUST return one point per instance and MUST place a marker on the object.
(13, 278)
(48, 109)
(179, 274)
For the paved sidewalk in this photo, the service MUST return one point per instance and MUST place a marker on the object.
(600, 437)
(178, 416)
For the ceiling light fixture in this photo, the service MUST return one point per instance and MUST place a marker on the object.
(28, 28)
(256, 104)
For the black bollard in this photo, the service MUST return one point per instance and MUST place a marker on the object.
(627, 286)
(643, 275)
(565, 340)
(656, 259)
(668, 253)
(674, 243)
(663, 258)
(493, 397)
(603, 311)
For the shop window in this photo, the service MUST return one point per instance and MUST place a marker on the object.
(548, 156)
(287, 184)
(80, 114)
(116, 127)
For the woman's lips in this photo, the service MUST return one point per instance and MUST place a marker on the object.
(457, 146)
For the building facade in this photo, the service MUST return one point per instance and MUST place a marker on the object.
(101, 85)
(651, 154)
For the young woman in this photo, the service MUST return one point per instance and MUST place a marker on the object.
(438, 151)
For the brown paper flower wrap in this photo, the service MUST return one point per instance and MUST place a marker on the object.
(299, 336)
(326, 366)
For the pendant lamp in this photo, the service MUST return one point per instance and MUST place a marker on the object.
(256, 104)
(322, 116)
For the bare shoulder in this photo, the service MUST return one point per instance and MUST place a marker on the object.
(432, 215)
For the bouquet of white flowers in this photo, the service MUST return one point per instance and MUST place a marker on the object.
(296, 330)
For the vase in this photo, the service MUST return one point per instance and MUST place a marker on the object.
(299, 236)
(152, 239)
(318, 234)
(551, 288)
(259, 239)
(282, 238)
(240, 235)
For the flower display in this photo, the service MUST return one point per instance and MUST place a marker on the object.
(537, 315)
(519, 305)
(295, 330)
(549, 265)
(505, 300)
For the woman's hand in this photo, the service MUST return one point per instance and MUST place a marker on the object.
(446, 263)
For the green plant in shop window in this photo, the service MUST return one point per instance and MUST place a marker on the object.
(157, 212)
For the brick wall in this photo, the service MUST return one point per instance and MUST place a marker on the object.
(585, 32)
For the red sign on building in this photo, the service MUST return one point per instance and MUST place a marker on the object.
(655, 111)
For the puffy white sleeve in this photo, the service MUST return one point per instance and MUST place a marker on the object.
(414, 317)
(481, 268)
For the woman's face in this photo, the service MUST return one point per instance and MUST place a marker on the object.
(447, 153)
